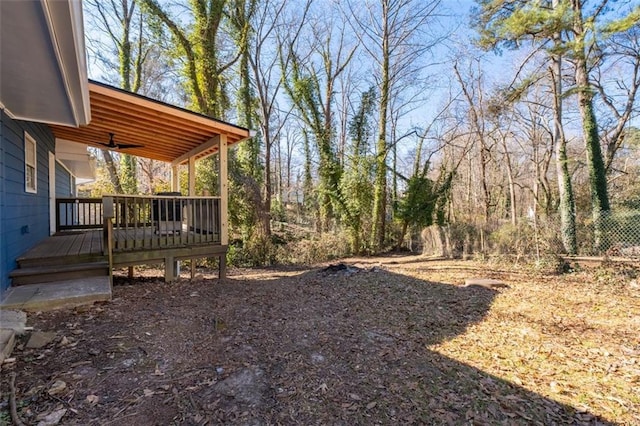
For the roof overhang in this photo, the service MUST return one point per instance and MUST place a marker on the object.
(43, 72)
(76, 159)
(166, 133)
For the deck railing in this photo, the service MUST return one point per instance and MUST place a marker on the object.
(159, 222)
(78, 213)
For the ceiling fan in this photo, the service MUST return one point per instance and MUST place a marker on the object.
(113, 145)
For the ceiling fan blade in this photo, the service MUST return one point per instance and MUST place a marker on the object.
(128, 145)
(113, 145)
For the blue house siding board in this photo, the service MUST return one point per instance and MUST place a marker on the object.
(63, 182)
(3, 255)
(25, 216)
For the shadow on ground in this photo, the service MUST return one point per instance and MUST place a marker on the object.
(313, 348)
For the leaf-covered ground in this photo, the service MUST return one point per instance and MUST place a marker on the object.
(397, 341)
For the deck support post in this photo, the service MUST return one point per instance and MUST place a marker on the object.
(222, 266)
(108, 213)
(224, 203)
(175, 178)
(170, 269)
(224, 190)
(192, 176)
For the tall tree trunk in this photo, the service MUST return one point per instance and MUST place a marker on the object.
(265, 211)
(597, 174)
(113, 171)
(565, 188)
(486, 194)
(380, 186)
(512, 187)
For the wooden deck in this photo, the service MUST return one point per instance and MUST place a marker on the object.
(82, 246)
(99, 234)
(79, 249)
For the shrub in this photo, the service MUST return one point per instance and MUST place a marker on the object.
(517, 240)
(315, 249)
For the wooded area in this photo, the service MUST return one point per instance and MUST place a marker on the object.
(511, 128)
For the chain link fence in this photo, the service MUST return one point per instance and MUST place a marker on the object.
(537, 237)
(620, 235)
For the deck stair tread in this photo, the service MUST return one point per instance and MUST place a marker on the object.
(56, 272)
(59, 260)
(54, 269)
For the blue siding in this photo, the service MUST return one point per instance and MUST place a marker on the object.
(24, 217)
(63, 182)
(3, 251)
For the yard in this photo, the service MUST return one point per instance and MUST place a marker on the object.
(392, 340)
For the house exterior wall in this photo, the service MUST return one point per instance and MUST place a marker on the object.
(64, 182)
(3, 257)
(24, 217)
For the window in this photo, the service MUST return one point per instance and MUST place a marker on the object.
(30, 164)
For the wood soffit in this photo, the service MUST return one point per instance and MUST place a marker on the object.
(165, 131)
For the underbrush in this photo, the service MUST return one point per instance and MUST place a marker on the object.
(288, 246)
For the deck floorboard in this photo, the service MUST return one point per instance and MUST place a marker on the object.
(75, 246)
(87, 243)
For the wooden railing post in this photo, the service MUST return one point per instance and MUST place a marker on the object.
(107, 220)
(107, 237)
(57, 215)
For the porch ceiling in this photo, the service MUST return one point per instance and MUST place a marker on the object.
(167, 133)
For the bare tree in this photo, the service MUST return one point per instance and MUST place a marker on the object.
(617, 79)
(395, 35)
(474, 96)
(118, 21)
(310, 82)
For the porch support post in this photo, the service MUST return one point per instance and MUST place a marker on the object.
(175, 178)
(192, 176)
(224, 203)
(224, 191)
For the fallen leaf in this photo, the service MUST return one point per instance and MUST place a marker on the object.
(57, 387)
(158, 372)
(323, 388)
(53, 418)
(92, 399)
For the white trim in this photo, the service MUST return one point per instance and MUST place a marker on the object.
(52, 193)
(64, 167)
(79, 101)
(77, 23)
(7, 111)
(29, 140)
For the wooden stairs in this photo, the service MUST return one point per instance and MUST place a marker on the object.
(51, 276)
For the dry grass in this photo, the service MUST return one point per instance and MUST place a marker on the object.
(398, 342)
(573, 338)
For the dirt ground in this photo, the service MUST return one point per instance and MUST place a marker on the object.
(384, 341)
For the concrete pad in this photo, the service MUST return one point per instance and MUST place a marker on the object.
(7, 342)
(14, 320)
(58, 295)
(40, 339)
